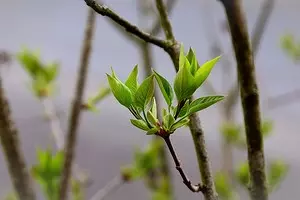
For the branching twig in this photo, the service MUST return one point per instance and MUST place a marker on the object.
(249, 96)
(173, 49)
(76, 105)
(186, 181)
(11, 147)
(110, 187)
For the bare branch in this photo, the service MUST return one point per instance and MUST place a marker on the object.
(249, 97)
(105, 11)
(16, 165)
(110, 187)
(76, 105)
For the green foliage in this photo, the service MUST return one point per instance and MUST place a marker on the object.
(47, 172)
(223, 186)
(139, 99)
(242, 174)
(77, 192)
(277, 171)
(231, 133)
(144, 161)
(291, 47)
(42, 75)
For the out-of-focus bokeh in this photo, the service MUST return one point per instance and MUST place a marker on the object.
(56, 28)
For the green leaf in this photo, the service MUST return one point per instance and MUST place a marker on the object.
(179, 124)
(242, 174)
(266, 127)
(154, 108)
(277, 172)
(101, 94)
(152, 119)
(193, 61)
(181, 57)
(141, 124)
(203, 102)
(223, 186)
(184, 83)
(183, 111)
(204, 71)
(144, 93)
(132, 80)
(165, 88)
(51, 72)
(30, 62)
(152, 131)
(121, 92)
(168, 121)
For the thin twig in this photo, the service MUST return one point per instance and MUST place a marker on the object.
(195, 124)
(59, 135)
(249, 97)
(76, 105)
(173, 49)
(106, 12)
(186, 181)
(12, 151)
(110, 187)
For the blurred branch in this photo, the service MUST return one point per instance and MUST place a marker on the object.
(249, 97)
(11, 146)
(283, 99)
(76, 105)
(257, 34)
(110, 187)
(59, 135)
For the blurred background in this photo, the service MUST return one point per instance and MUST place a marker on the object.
(107, 139)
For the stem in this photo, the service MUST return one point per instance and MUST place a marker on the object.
(13, 154)
(186, 181)
(110, 187)
(179, 107)
(76, 105)
(249, 96)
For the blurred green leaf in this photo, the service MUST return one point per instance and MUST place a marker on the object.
(242, 174)
(231, 132)
(267, 128)
(223, 186)
(276, 173)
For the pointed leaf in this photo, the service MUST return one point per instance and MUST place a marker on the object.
(154, 108)
(204, 71)
(152, 119)
(141, 124)
(193, 61)
(184, 109)
(204, 102)
(165, 88)
(52, 71)
(152, 131)
(168, 121)
(144, 93)
(121, 92)
(179, 124)
(181, 57)
(132, 80)
(184, 84)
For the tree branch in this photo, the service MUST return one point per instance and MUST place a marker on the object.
(106, 12)
(186, 181)
(11, 146)
(110, 187)
(259, 28)
(249, 96)
(71, 136)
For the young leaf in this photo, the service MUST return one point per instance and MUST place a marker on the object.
(183, 111)
(168, 121)
(203, 72)
(277, 172)
(132, 80)
(184, 83)
(181, 57)
(152, 131)
(203, 102)
(154, 108)
(193, 61)
(121, 92)
(144, 93)
(152, 119)
(242, 174)
(51, 72)
(165, 88)
(141, 124)
(179, 124)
